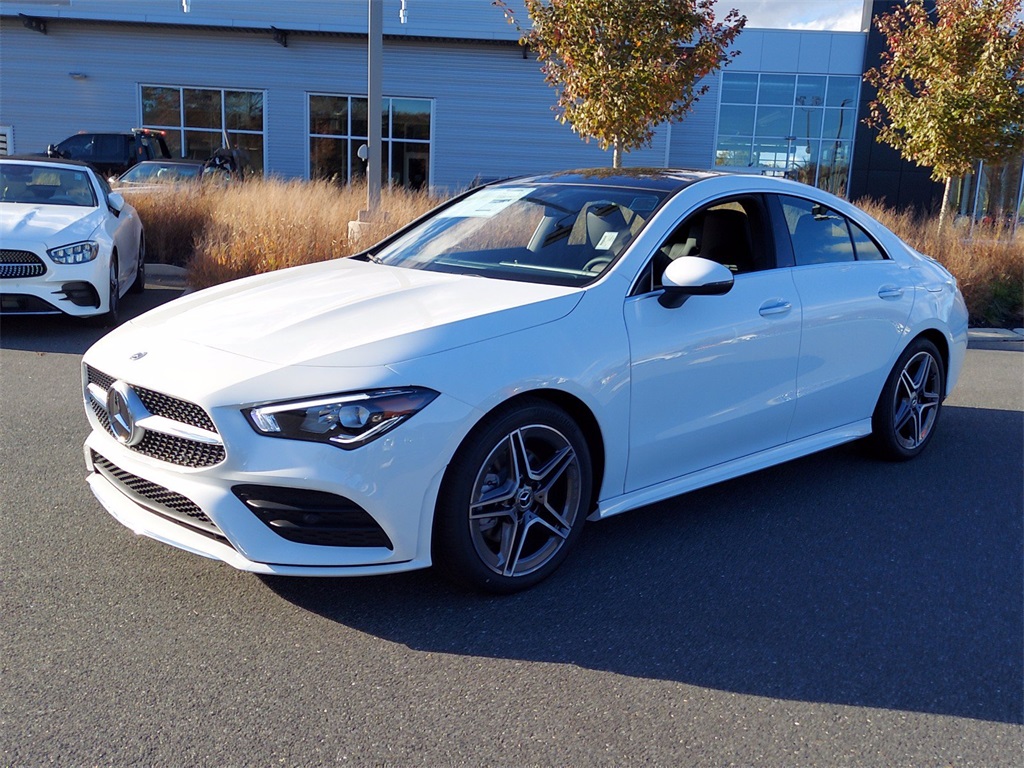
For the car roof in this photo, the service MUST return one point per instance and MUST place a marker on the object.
(44, 160)
(169, 161)
(655, 179)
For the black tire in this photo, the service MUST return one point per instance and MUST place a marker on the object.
(525, 522)
(908, 409)
(139, 285)
(110, 317)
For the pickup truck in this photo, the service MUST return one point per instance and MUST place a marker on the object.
(112, 153)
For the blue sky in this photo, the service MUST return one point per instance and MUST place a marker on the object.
(797, 14)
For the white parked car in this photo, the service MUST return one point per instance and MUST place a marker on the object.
(69, 244)
(534, 354)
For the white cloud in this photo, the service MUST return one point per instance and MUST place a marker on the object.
(846, 22)
(840, 15)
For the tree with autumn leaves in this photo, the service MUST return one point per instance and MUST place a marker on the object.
(950, 85)
(620, 67)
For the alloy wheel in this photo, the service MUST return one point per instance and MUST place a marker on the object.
(525, 500)
(916, 400)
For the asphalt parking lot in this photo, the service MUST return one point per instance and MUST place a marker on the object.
(831, 611)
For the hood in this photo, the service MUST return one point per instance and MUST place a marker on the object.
(353, 313)
(51, 225)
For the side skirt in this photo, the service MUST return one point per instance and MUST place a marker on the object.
(731, 469)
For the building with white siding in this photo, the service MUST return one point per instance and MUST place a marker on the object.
(462, 100)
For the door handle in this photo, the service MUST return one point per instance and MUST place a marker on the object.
(890, 292)
(775, 307)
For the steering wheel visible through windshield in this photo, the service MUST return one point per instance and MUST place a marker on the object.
(549, 233)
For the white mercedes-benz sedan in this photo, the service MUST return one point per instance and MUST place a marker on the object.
(528, 356)
(69, 245)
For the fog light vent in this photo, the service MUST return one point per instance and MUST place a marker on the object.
(313, 517)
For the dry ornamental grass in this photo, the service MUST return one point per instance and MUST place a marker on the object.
(988, 262)
(222, 233)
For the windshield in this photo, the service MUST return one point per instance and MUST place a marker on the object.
(550, 233)
(45, 185)
(160, 173)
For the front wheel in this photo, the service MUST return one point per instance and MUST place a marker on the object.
(139, 284)
(110, 317)
(908, 408)
(514, 499)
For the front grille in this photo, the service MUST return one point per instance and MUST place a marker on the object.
(178, 450)
(157, 499)
(158, 445)
(16, 264)
(98, 377)
(175, 409)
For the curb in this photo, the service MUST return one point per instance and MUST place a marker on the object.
(995, 334)
(165, 276)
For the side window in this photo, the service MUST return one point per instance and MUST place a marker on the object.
(731, 232)
(819, 234)
(78, 146)
(109, 147)
(865, 247)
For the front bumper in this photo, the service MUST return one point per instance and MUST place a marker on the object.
(80, 290)
(395, 479)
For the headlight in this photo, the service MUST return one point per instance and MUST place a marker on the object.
(76, 253)
(347, 421)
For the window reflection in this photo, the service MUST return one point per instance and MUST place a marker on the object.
(338, 128)
(800, 126)
(196, 120)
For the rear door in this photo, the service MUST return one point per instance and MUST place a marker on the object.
(856, 301)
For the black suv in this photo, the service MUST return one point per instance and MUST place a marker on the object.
(112, 153)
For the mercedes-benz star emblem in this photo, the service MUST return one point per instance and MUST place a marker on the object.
(138, 356)
(125, 410)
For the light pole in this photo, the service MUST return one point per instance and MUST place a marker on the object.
(374, 97)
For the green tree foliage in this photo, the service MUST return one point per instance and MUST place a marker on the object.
(620, 67)
(950, 87)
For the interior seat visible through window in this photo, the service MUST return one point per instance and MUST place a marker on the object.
(731, 233)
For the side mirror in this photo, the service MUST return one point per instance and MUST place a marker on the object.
(116, 202)
(693, 276)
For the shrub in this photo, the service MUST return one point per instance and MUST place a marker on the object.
(173, 218)
(223, 233)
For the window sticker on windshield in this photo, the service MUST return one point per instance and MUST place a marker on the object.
(486, 203)
(606, 240)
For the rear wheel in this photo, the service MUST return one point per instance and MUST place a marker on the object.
(514, 499)
(908, 408)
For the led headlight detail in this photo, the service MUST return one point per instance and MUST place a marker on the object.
(347, 421)
(76, 253)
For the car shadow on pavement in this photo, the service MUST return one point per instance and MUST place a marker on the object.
(835, 578)
(69, 335)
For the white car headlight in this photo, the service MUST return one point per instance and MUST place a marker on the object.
(347, 421)
(76, 253)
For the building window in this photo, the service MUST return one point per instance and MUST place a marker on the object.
(197, 120)
(800, 126)
(338, 128)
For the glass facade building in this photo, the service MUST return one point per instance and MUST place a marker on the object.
(795, 125)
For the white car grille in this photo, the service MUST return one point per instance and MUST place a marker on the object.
(173, 430)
